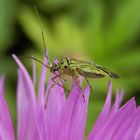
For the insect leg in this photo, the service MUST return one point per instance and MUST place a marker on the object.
(77, 83)
(55, 83)
(88, 82)
(83, 74)
(53, 79)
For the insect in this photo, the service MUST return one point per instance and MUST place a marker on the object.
(76, 68)
(72, 67)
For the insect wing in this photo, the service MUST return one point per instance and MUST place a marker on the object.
(91, 69)
(111, 74)
(86, 69)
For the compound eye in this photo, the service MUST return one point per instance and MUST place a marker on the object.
(65, 67)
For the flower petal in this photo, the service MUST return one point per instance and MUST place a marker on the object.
(118, 101)
(27, 81)
(42, 126)
(41, 89)
(41, 120)
(72, 119)
(115, 121)
(6, 126)
(56, 97)
(62, 127)
(27, 115)
(129, 128)
(78, 120)
(54, 104)
(103, 115)
(26, 105)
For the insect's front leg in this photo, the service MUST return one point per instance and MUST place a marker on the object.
(55, 83)
(62, 86)
(53, 79)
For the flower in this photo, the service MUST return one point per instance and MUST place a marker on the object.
(64, 118)
(115, 122)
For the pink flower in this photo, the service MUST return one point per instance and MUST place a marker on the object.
(64, 118)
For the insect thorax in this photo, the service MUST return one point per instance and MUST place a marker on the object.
(62, 64)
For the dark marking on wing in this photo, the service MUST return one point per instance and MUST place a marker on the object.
(111, 74)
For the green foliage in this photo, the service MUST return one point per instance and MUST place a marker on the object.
(6, 23)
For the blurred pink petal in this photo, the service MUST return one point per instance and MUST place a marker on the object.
(26, 106)
(6, 126)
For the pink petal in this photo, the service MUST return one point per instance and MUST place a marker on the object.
(6, 126)
(56, 97)
(26, 105)
(26, 112)
(71, 122)
(103, 115)
(118, 101)
(55, 102)
(41, 121)
(129, 127)
(41, 88)
(115, 121)
(27, 81)
(42, 126)
(62, 127)
(78, 120)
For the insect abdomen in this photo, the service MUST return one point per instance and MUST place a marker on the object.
(91, 75)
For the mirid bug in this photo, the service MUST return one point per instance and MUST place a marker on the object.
(72, 67)
(76, 68)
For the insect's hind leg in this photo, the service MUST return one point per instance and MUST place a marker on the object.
(83, 74)
(88, 83)
(76, 82)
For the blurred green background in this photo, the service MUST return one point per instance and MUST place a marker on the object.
(104, 31)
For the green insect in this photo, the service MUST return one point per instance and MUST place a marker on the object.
(72, 67)
(76, 68)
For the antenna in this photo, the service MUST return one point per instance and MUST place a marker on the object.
(31, 57)
(42, 34)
